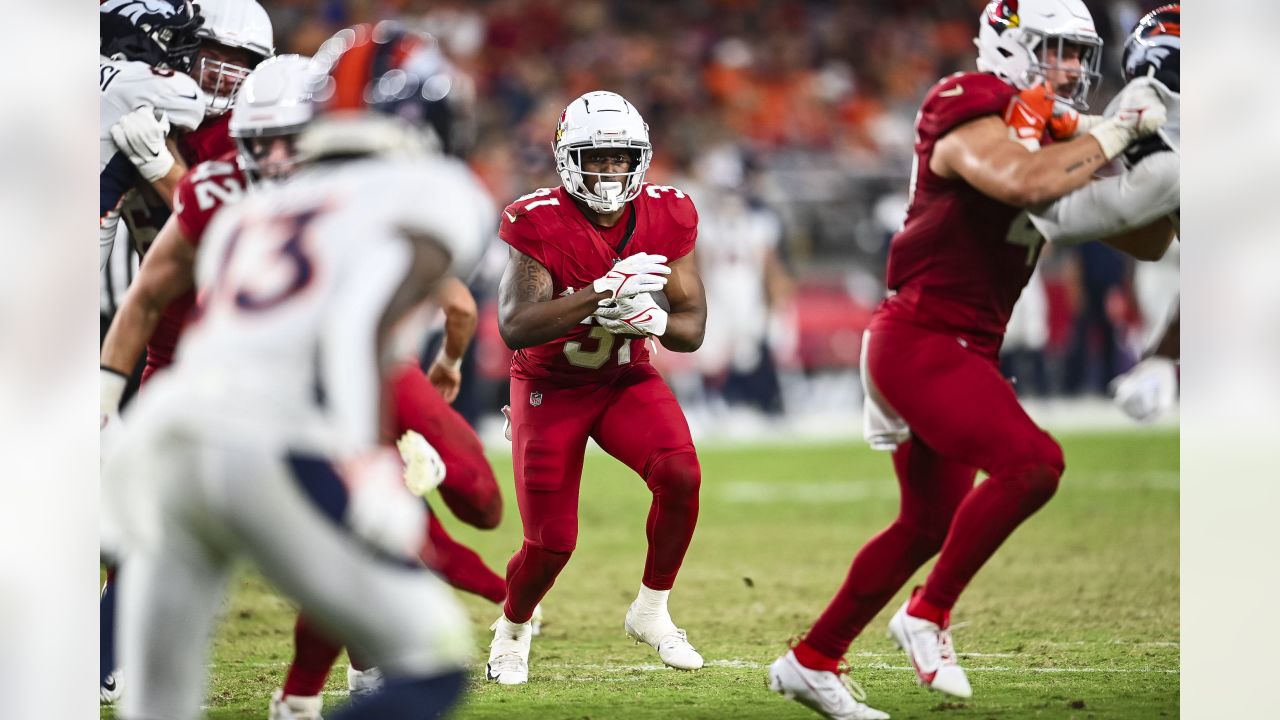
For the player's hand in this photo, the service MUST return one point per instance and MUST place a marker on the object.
(635, 315)
(111, 385)
(1148, 389)
(639, 273)
(141, 136)
(1067, 122)
(445, 376)
(424, 470)
(1139, 113)
(380, 509)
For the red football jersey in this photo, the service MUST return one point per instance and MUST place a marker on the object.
(547, 226)
(201, 192)
(961, 259)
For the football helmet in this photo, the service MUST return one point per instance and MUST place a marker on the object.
(237, 24)
(272, 103)
(1021, 40)
(161, 33)
(601, 119)
(379, 89)
(1153, 46)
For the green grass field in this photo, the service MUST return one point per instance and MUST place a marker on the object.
(1076, 617)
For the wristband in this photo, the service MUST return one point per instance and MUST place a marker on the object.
(111, 386)
(448, 363)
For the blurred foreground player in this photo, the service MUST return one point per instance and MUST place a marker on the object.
(267, 439)
(930, 366)
(575, 304)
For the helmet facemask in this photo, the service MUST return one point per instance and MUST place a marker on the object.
(219, 79)
(255, 154)
(603, 196)
(1049, 51)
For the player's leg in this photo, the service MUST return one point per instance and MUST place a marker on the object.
(644, 427)
(549, 427)
(956, 401)
(171, 590)
(469, 488)
(108, 679)
(397, 614)
(313, 657)
(459, 565)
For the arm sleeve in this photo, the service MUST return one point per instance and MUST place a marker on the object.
(1113, 205)
(350, 359)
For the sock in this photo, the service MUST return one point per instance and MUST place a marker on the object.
(651, 602)
(814, 659)
(409, 699)
(313, 657)
(107, 628)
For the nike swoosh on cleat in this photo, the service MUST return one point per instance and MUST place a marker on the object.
(488, 673)
(110, 684)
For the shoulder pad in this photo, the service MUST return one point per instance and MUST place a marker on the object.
(674, 201)
(962, 97)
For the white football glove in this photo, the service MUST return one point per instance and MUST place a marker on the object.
(639, 273)
(635, 315)
(111, 388)
(1148, 389)
(1139, 112)
(141, 136)
(424, 470)
(380, 509)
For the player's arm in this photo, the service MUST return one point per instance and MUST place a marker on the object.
(165, 274)
(1147, 243)
(981, 153)
(460, 318)
(144, 139)
(168, 184)
(528, 315)
(687, 319)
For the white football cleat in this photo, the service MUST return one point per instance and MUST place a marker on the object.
(363, 683)
(535, 622)
(109, 689)
(294, 707)
(931, 653)
(834, 696)
(509, 652)
(660, 632)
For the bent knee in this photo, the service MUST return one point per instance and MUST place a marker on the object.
(678, 474)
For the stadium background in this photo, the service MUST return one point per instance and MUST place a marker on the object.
(803, 108)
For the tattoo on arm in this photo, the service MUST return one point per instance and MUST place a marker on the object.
(1081, 163)
(533, 282)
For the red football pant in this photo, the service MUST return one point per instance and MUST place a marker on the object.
(635, 418)
(964, 416)
(470, 489)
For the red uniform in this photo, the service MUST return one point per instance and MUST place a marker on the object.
(591, 383)
(199, 195)
(955, 271)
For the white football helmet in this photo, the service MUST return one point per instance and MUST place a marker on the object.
(1019, 40)
(274, 101)
(601, 119)
(238, 24)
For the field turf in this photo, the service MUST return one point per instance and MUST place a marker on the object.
(1076, 617)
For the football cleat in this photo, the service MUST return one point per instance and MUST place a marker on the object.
(363, 683)
(294, 707)
(109, 689)
(662, 634)
(509, 652)
(535, 622)
(833, 695)
(931, 653)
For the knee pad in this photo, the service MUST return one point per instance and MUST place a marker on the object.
(675, 475)
(558, 536)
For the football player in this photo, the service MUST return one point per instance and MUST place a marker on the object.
(575, 303)
(266, 437)
(930, 369)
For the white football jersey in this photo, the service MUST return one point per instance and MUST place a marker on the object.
(124, 86)
(294, 280)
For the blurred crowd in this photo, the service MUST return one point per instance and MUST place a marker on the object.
(790, 124)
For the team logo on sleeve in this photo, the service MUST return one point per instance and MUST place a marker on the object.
(535, 398)
(1002, 14)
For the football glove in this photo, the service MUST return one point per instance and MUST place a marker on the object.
(635, 315)
(1139, 113)
(1148, 389)
(639, 273)
(141, 135)
(424, 470)
(111, 385)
